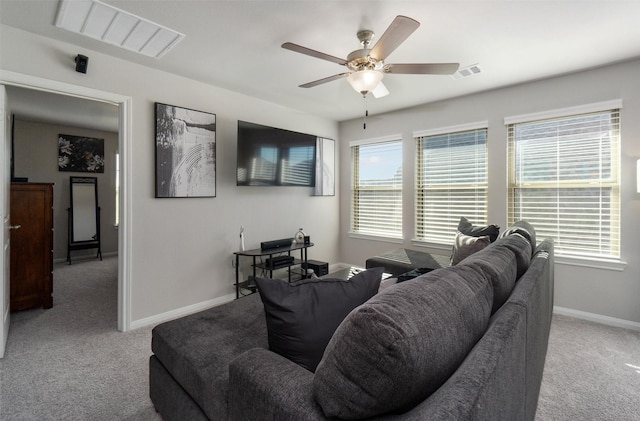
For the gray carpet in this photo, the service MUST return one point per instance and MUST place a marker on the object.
(70, 362)
(592, 372)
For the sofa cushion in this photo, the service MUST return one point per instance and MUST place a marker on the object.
(498, 261)
(465, 245)
(521, 248)
(401, 345)
(467, 228)
(523, 228)
(197, 349)
(302, 316)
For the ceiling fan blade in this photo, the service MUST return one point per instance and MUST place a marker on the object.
(380, 91)
(422, 68)
(325, 80)
(313, 53)
(396, 33)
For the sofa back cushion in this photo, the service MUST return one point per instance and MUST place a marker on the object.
(521, 248)
(402, 345)
(499, 263)
(525, 229)
(301, 316)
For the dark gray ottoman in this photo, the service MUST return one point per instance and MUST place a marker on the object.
(399, 261)
(189, 371)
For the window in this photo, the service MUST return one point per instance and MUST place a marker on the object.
(377, 188)
(451, 181)
(564, 179)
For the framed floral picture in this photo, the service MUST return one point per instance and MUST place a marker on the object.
(80, 154)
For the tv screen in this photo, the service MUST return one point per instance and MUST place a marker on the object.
(268, 156)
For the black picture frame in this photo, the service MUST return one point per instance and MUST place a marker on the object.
(80, 154)
(185, 152)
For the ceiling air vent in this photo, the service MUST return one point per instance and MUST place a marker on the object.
(106, 23)
(472, 70)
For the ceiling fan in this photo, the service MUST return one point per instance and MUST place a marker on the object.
(367, 66)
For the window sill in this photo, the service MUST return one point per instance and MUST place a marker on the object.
(615, 265)
(445, 248)
(373, 237)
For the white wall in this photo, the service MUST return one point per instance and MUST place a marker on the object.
(182, 248)
(603, 292)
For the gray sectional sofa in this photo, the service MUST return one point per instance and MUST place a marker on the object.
(466, 342)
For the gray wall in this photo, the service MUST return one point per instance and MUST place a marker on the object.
(587, 289)
(36, 157)
(182, 248)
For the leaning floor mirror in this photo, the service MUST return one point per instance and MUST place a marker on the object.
(84, 216)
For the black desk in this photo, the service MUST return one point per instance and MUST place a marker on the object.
(255, 253)
(400, 261)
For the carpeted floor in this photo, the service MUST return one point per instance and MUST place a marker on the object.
(592, 372)
(70, 362)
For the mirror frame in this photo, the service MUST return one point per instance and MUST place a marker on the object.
(94, 242)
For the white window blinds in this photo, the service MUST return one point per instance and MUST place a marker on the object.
(377, 189)
(451, 181)
(564, 179)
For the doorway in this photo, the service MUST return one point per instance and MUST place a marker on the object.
(124, 105)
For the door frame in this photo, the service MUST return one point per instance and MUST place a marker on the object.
(125, 107)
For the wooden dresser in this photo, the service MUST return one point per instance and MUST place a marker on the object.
(31, 245)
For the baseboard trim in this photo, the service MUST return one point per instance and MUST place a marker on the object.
(180, 312)
(598, 318)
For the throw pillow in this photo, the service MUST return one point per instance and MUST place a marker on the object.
(466, 245)
(302, 316)
(467, 228)
(396, 349)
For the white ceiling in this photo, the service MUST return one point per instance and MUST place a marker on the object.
(235, 44)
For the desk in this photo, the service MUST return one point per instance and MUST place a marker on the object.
(401, 261)
(255, 253)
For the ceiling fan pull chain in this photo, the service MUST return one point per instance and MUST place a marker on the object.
(366, 113)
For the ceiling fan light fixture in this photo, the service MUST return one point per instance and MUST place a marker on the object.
(365, 81)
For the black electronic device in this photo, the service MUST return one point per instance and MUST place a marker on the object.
(279, 262)
(268, 156)
(82, 62)
(319, 268)
(307, 240)
(276, 244)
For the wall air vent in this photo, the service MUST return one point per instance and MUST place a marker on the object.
(106, 23)
(472, 70)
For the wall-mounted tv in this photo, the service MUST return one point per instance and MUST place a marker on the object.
(268, 156)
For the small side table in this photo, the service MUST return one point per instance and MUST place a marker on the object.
(255, 253)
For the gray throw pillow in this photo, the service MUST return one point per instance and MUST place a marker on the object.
(302, 316)
(467, 228)
(466, 245)
(396, 349)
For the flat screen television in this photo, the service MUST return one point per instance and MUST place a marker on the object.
(268, 156)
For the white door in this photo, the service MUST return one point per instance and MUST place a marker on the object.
(5, 180)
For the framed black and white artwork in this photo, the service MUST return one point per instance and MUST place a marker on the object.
(185, 152)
